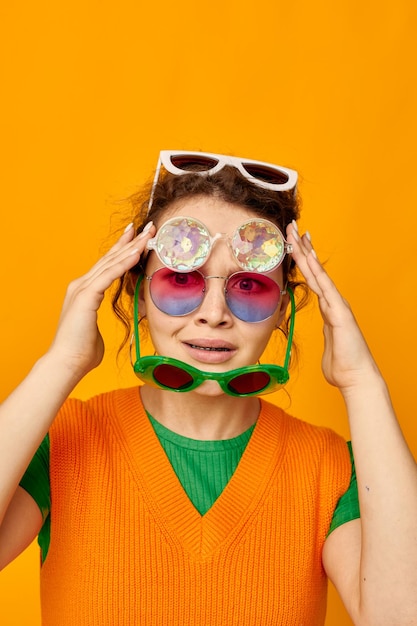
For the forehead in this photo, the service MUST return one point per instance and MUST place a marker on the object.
(217, 215)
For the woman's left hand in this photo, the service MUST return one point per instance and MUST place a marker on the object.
(347, 361)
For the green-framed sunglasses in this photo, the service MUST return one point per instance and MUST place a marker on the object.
(175, 375)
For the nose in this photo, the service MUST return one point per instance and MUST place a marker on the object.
(214, 310)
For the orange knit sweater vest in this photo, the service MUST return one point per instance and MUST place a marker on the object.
(129, 549)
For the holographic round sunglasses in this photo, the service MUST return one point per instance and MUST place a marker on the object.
(184, 244)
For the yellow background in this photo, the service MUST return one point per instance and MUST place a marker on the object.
(91, 91)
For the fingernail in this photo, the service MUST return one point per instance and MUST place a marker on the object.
(308, 235)
(145, 230)
(313, 252)
(294, 224)
(128, 227)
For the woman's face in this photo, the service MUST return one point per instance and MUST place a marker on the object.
(210, 338)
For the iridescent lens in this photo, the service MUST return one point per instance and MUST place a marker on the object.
(183, 244)
(176, 293)
(258, 246)
(252, 297)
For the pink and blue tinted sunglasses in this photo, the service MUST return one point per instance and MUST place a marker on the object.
(266, 175)
(183, 244)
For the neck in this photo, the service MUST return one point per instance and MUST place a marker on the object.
(200, 416)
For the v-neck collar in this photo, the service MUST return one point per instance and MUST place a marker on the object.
(165, 496)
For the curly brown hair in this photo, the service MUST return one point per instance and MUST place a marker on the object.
(228, 184)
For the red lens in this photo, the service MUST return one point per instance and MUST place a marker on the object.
(266, 174)
(172, 377)
(194, 163)
(253, 382)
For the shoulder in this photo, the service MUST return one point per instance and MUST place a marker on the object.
(93, 417)
(313, 462)
(109, 402)
(302, 432)
(86, 433)
(321, 451)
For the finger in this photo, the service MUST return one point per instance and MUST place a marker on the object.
(301, 249)
(124, 255)
(128, 240)
(292, 230)
(328, 290)
(332, 303)
(313, 271)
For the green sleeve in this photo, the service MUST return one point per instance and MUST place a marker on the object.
(347, 508)
(36, 478)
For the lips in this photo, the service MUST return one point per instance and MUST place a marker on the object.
(209, 351)
(210, 345)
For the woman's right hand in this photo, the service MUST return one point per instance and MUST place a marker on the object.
(78, 344)
(27, 413)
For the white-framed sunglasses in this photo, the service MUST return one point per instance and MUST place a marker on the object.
(266, 175)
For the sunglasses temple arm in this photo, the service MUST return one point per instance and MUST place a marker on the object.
(291, 330)
(136, 317)
(155, 180)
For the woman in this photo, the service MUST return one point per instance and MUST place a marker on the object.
(191, 500)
